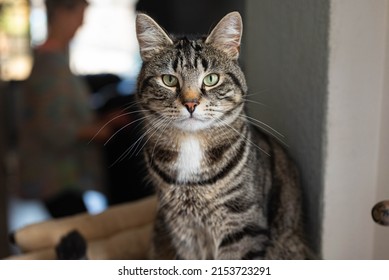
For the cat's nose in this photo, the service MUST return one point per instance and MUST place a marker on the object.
(191, 105)
(190, 98)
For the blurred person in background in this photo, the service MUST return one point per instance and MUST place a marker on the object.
(57, 162)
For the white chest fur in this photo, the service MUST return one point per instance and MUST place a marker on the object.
(189, 159)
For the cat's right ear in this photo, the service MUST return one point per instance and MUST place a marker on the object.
(151, 37)
(227, 34)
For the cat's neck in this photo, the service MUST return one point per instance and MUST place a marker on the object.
(174, 137)
(182, 156)
(190, 156)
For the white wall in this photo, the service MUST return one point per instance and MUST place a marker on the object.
(322, 70)
(355, 126)
(381, 238)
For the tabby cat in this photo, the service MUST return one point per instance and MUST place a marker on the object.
(226, 190)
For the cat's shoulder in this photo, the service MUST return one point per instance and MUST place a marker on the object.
(271, 145)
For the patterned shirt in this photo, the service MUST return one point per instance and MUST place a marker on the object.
(55, 106)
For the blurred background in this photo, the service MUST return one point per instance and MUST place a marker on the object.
(104, 53)
(320, 67)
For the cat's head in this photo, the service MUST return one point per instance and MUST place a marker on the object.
(191, 84)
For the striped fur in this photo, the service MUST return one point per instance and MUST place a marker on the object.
(226, 191)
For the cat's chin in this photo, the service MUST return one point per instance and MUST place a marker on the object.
(192, 124)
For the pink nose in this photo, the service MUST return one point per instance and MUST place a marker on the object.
(191, 106)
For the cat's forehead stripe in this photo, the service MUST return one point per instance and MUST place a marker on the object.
(205, 64)
(189, 55)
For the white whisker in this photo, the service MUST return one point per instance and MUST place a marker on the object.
(158, 128)
(134, 146)
(137, 143)
(111, 120)
(265, 125)
(245, 138)
(267, 131)
(159, 137)
(129, 105)
(255, 102)
(125, 126)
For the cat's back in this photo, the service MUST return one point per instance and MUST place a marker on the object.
(284, 203)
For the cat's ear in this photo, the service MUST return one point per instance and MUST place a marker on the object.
(227, 34)
(151, 37)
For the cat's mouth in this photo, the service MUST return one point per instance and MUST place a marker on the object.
(192, 122)
(191, 119)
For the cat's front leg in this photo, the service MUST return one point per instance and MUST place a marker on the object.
(190, 245)
(162, 245)
(247, 244)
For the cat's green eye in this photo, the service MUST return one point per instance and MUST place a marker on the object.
(211, 80)
(170, 80)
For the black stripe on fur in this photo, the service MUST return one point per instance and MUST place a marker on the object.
(249, 230)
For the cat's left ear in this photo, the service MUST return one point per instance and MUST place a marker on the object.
(151, 37)
(227, 34)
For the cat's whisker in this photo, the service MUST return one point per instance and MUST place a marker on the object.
(257, 92)
(129, 105)
(132, 147)
(261, 123)
(122, 128)
(168, 123)
(151, 135)
(124, 154)
(113, 119)
(224, 132)
(245, 138)
(138, 142)
(279, 139)
(255, 102)
(257, 123)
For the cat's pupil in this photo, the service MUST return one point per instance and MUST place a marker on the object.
(170, 80)
(211, 80)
